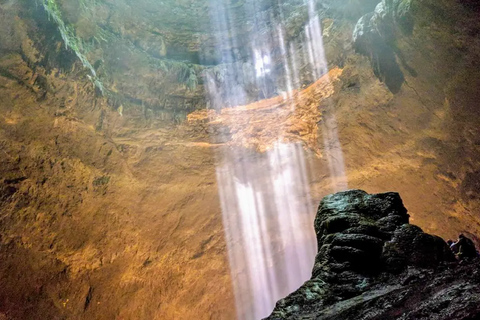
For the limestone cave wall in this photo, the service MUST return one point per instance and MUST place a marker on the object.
(109, 207)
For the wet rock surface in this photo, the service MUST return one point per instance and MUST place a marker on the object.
(372, 264)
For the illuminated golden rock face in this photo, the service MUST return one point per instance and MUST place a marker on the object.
(83, 218)
(258, 126)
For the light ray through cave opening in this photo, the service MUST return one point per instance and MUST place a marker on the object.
(265, 197)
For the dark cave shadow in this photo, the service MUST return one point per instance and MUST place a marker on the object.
(404, 62)
(385, 65)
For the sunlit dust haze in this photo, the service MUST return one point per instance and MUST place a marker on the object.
(265, 196)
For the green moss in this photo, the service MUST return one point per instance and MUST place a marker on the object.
(180, 72)
(70, 39)
(100, 181)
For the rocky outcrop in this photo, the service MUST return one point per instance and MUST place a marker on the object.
(373, 264)
(375, 33)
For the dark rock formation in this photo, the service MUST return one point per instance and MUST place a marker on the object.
(373, 264)
(375, 34)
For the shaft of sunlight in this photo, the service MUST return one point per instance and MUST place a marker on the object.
(265, 197)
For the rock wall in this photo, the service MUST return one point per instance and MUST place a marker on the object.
(109, 204)
(95, 223)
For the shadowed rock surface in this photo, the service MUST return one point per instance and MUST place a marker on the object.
(372, 264)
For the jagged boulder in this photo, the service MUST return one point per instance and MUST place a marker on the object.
(370, 259)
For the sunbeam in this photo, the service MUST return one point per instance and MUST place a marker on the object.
(270, 247)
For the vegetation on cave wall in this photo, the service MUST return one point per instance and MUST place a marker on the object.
(70, 39)
(116, 57)
(157, 55)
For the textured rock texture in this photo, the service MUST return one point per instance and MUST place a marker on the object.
(372, 264)
(108, 203)
(161, 55)
(91, 226)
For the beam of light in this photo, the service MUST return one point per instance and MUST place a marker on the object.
(332, 146)
(268, 226)
(288, 74)
(314, 42)
(265, 197)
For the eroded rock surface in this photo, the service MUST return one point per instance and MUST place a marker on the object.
(373, 264)
(113, 200)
